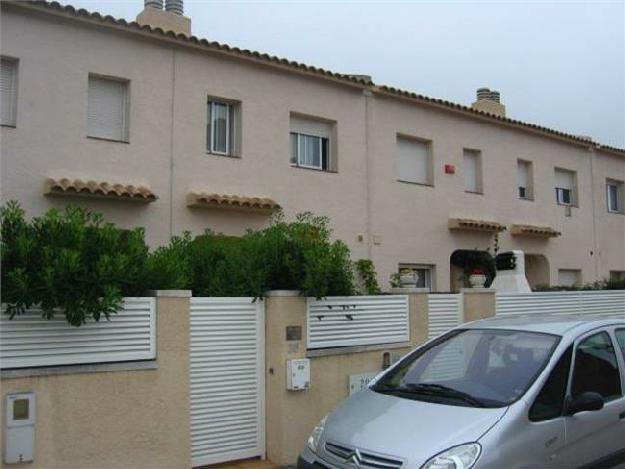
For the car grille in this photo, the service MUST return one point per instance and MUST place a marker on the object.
(360, 458)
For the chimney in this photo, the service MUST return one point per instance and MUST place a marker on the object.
(170, 19)
(489, 101)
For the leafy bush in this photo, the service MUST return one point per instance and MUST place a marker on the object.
(368, 277)
(69, 261)
(605, 284)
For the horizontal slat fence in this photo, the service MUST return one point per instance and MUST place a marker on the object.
(28, 340)
(608, 303)
(445, 312)
(358, 320)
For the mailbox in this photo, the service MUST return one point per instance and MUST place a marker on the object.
(20, 428)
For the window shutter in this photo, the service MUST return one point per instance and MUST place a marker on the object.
(564, 179)
(523, 176)
(8, 91)
(413, 161)
(107, 108)
(471, 182)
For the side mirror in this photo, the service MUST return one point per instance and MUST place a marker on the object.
(585, 402)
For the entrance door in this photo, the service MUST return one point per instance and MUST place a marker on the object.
(227, 379)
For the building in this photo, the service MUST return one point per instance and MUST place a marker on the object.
(171, 132)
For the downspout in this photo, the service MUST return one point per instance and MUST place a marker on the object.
(595, 252)
(368, 95)
(171, 144)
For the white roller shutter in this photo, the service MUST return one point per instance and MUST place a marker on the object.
(108, 108)
(471, 171)
(29, 340)
(8, 91)
(413, 161)
(565, 179)
(358, 320)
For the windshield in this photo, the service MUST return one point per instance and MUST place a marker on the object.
(471, 367)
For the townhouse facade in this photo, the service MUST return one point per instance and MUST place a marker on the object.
(153, 127)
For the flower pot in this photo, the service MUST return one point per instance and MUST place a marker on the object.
(477, 280)
(408, 279)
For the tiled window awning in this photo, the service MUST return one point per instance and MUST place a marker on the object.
(108, 190)
(534, 231)
(469, 224)
(237, 202)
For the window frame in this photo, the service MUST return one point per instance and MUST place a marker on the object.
(430, 268)
(529, 189)
(573, 191)
(479, 176)
(565, 392)
(297, 163)
(429, 163)
(233, 112)
(16, 63)
(618, 185)
(125, 137)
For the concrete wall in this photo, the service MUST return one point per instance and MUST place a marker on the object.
(291, 415)
(377, 216)
(137, 419)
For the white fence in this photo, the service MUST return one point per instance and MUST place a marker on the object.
(358, 320)
(29, 340)
(445, 312)
(609, 303)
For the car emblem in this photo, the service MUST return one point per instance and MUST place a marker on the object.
(354, 458)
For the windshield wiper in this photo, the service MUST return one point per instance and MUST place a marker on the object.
(441, 390)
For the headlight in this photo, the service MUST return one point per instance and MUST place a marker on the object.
(315, 436)
(458, 457)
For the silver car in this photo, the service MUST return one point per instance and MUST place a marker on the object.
(500, 393)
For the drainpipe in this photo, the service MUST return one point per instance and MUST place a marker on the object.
(595, 251)
(171, 144)
(368, 97)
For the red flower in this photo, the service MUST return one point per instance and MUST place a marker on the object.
(477, 272)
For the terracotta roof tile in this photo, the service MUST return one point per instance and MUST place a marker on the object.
(534, 231)
(77, 187)
(475, 225)
(358, 80)
(207, 200)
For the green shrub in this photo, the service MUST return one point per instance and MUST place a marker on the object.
(605, 284)
(169, 267)
(69, 261)
(368, 277)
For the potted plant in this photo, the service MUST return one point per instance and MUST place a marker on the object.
(408, 278)
(477, 278)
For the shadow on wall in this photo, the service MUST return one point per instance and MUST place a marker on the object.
(536, 270)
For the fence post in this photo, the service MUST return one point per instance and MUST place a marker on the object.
(478, 303)
(419, 313)
(285, 310)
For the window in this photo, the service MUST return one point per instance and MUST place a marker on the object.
(424, 274)
(311, 144)
(566, 193)
(620, 340)
(414, 161)
(596, 368)
(569, 277)
(107, 113)
(473, 171)
(616, 275)
(550, 401)
(614, 196)
(525, 179)
(8, 91)
(222, 123)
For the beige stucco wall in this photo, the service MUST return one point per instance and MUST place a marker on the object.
(291, 415)
(121, 419)
(399, 222)
(478, 304)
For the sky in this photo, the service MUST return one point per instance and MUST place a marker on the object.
(557, 64)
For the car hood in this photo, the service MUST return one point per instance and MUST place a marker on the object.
(405, 428)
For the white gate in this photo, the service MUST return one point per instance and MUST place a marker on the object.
(227, 379)
(445, 312)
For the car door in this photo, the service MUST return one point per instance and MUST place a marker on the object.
(593, 435)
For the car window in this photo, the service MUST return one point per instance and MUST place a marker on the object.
(596, 368)
(550, 401)
(620, 339)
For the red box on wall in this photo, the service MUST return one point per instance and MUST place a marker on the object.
(450, 169)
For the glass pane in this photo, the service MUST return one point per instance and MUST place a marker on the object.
(20, 409)
(309, 151)
(220, 127)
(613, 197)
(549, 403)
(596, 368)
(293, 148)
(208, 126)
(620, 339)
